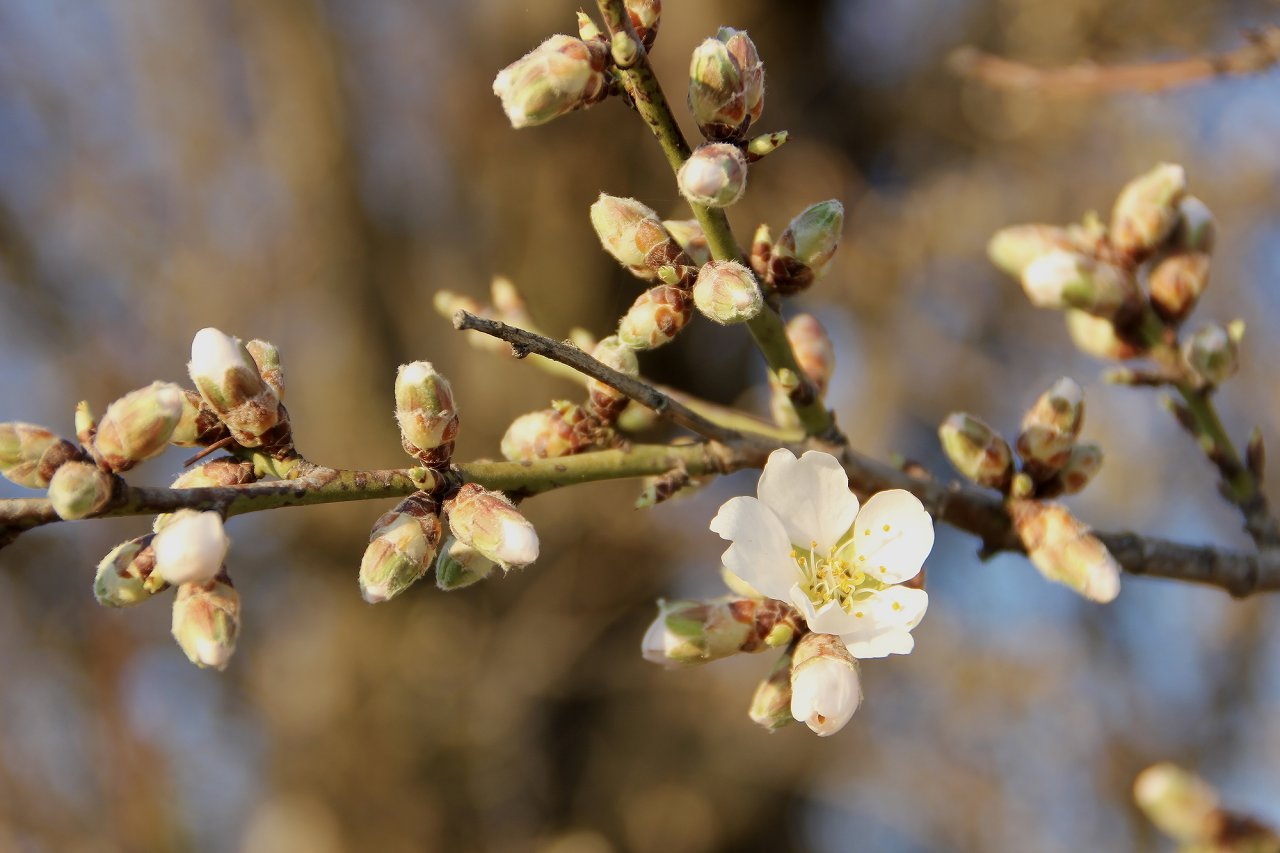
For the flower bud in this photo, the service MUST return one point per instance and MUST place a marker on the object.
(86, 423)
(1212, 353)
(121, 577)
(199, 425)
(1197, 230)
(227, 378)
(460, 566)
(804, 251)
(634, 235)
(814, 351)
(1096, 336)
(765, 144)
(190, 547)
(561, 430)
(689, 632)
(655, 318)
(715, 175)
(1147, 209)
(761, 251)
(1065, 279)
(587, 28)
(750, 68)
(976, 450)
(689, 235)
(221, 472)
(559, 76)
(1082, 465)
(645, 15)
(1177, 282)
(402, 546)
(717, 91)
(206, 621)
(727, 293)
(771, 704)
(491, 524)
(1050, 427)
(825, 690)
(1061, 547)
(30, 454)
(1177, 801)
(604, 401)
(1013, 249)
(267, 357)
(139, 425)
(79, 489)
(425, 411)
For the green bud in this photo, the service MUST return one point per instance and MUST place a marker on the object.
(604, 401)
(79, 489)
(1097, 337)
(1178, 802)
(206, 621)
(425, 411)
(717, 92)
(765, 144)
(691, 239)
(1213, 353)
(727, 293)
(976, 450)
(1064, 279)
(402, 547)
(561, 430)
(267, 357)
(1082, 465)
(1177, 282)
(139, 425)
(559, 76)
(460, 566)
(1050, 428)
(490, 523)
(199, 425)
(1064, 551)
(771, 704)
(227, 378)
(715, 175)
(689, 632)
(1013, 249)
(30, 454)
(1146, 211)
(655, 318)
(634, 235)
(587, 28)
(804, 251)
(121, 577)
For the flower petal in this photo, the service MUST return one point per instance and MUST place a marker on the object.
(760, 553)
(810, 495)
(885, 623)
(830, 619)
(892, 536)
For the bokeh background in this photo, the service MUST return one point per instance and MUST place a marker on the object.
(311, 171)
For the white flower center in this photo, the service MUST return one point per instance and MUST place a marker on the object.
(841, 575)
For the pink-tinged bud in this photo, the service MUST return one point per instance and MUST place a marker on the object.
(30, 454)
(689, 235)
(604, 401)
(206, 622)
(491, 524)
(715, 175)
(402, 546)
(199, 425)
(751, 69)
(1096, 336)
(814, 351)
(1013, 249)
(559, 76)
(977, 450)
(426, 413)
(1178, 802)
(191, 547)
(1050, 428)
(460, 566)
(139, 425)
(634, 235)
(561, 430)
(1081, 467)
(727, 293)
(121, 577)
(692, 632)
(1061, 547)
(78, 490)
(655, 318)
(1146, 211)
(805, 250)
(645, 16)
(1064, 279)
(267, 357)
(227, 378)
(1177, 281)
(825, 690)
(1213, 353)
(771, 704)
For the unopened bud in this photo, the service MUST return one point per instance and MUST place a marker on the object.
(121, 577)
(79, 489)
(605, 401)
(139, 425)
(460, 566)
(559, 76)
(690, 632)
(764, 145)
(715, 175)
(86, 423)
(402, 546)
(206, 622)
(1050, 427)
(825, 690)
(1146, 211)
(645, 16)
(692, 240)
(30, 454)
(655, 318)
(1197, 230)
(1061, 547)
(1213, 353)
(199, 425)
(267, 357)
(804, 251)
(1178, 802)
(1013, 249)
(1064, 279)
(771, 703)
(1096, 336)
(634, 235)
(587, 28)
(491, 524)
(1081, 466)
(761, 251)
(750, 69)
(727, 293)
(227, 378)
(561, 430)
(977, 450)
(425, 411)
(717, 91)
(191, 547)
(814, 351)
(221, 472)
(1177, 281)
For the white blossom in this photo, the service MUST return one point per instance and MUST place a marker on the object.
(191, 548)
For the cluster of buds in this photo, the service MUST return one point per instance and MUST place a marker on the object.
(816, 356)
(234, 387)
(726, 85)
(803, 253)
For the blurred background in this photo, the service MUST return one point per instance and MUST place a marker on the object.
(311, 171)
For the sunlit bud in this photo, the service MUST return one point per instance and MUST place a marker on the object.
(267, 357)
(825, 690)
(1212, 353)
(460, 565)
(717, 94)
(1082, 465)
(715, 175)
(121, 576)
(633, 234)
(191, 547)
(1197, 230)
(771, 703)
(138, 425)
(689, 632)
(1061, 547)
(1147, 209)
(587, 28)
(814, 351)
(604, 401)
(645, 15)
(561, 430)
(976, 450)
(1013, 249)
(30, 454)
(655, 318)
(79, 489)
(224, 471)
(559, 76)
(727, 293)
(402, 546)
(1050, 427)
(199, 425)
(1097, 337)
(690, 237)
(86, 423)
(489, 523)
(425, 411)
(1065, 279)
(750, 69)
(805, 250)
(206, 622)
(1177, 281)
(1178, 802)
(765, 144)
(663, 487)
(227, 378)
